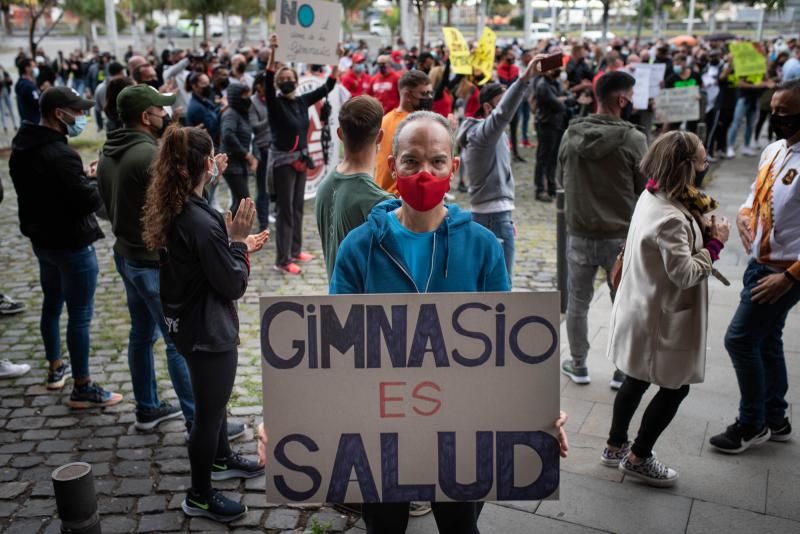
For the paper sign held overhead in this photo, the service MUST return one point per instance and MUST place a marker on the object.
(483, 56)
(459, 51)
(394, 398)
(308, 31)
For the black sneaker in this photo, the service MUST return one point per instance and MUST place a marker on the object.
(215, 506)
(149, 418)
(781, 432)
(56, 379)
(462, 187)
(617, 380)
(738, 438)
(235, 430)
(235, 466)
(9, 306)
(544, 197)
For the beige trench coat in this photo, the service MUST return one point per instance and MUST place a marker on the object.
(660, 313)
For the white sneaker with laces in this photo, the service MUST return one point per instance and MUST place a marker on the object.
(748, 151)
(730, 153)
(9, 369)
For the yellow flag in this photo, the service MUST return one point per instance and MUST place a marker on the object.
(459, 51)
(483, 56)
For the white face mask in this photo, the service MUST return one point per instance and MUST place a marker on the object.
(214, 172)
(563, 76)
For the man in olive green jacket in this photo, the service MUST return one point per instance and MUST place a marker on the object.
(598, 167)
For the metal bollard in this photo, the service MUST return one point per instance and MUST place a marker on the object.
(76, 500)
(561, 248)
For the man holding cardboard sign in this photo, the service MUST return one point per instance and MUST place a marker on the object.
(402, 418)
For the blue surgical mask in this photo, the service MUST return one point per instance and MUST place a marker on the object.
(358, 69)
(77, 127)
(35, 72)
(677, 69)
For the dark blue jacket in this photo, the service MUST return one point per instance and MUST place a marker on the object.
(205, 112)
(28, 100)
(467, 257)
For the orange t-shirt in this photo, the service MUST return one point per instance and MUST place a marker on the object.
(383, 176)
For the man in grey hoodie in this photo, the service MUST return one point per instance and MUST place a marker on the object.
(486, 157)
(598, 167)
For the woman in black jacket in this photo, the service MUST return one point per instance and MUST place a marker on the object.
(236, 138)
(289, 158)
(204, 270)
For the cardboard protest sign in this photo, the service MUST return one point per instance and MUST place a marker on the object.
(459, 51)
(483, 56)
(648, 83)
(747, 61)
(423, 397)
(317, 147)
(678, 104)
(308, 31)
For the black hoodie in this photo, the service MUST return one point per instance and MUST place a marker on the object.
(56, 199)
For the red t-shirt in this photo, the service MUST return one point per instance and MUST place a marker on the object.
(506, 73)
(356, 84)
(444, 105)
(384, 88)
(473, 103)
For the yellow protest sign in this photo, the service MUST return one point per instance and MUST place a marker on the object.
(747, 61)
(459, 51)
(483, 56)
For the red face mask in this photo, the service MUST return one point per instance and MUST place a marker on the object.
(422, 191)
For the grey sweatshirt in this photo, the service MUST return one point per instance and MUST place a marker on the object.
(236, 132)
(485, 155)
(259, 120)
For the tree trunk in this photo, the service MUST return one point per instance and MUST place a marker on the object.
(422, 10)
(449, 15)
(6, 9)
(244, 31)
(205, 28)
(32, 31)
(604, 35)
(712, 20)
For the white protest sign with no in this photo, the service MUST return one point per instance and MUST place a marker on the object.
(394, 398)
(648, 83)
(678, 104)
(308, 31)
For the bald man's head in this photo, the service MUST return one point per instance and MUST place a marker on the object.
(423, 141)
(134, 62)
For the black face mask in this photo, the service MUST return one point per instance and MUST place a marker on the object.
(699, 175)
(240, 68)
(166, 120)
(383, 68)
(287, 87)
(153, 84)
(425, 104)
(223, 83)
(785, 126)
(627, 111)
(206, 91)
(243, 105)
(714, 62)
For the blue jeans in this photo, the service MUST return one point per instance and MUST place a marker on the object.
(6, 109)
(746, 108)
(501, 225)
(754, 341)
(142, 286)
(68, 276)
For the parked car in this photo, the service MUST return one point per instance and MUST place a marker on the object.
(376, 27)
(170, 32)
(596, 35)
(541, 30)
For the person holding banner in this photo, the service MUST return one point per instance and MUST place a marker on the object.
(657, 333)
(420, 245)
(289, 158)
(205, 267)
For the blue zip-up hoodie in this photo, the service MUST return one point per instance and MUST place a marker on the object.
(466, 258)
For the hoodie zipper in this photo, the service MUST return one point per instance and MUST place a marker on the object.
(400, 265)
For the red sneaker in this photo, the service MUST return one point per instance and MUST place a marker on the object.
(303, 257)
(289, 268)
(526, 143)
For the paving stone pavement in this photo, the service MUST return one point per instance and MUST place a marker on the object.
(140, 477)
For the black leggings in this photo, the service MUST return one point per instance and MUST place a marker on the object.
(514, 127)
(764, 116)
(451, 517)
(656, 418)
(239, 189)
(212, 375)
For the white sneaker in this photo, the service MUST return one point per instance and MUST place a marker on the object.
(731, 153)
(449, 197)
(11, 370)
(749, 152)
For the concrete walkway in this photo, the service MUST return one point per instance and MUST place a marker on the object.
(756, 492)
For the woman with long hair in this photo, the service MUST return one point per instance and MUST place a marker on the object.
(204, 269)
(660, 314)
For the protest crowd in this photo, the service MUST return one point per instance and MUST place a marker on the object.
(608, 125)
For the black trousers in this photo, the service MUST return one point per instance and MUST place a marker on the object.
(239, 189)
(546, 159)
(717, 137)
(451, 517)
(514, 127)
(212, 375)
(262, 190)
(764, 116)
(656, 418)
(290, 189)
